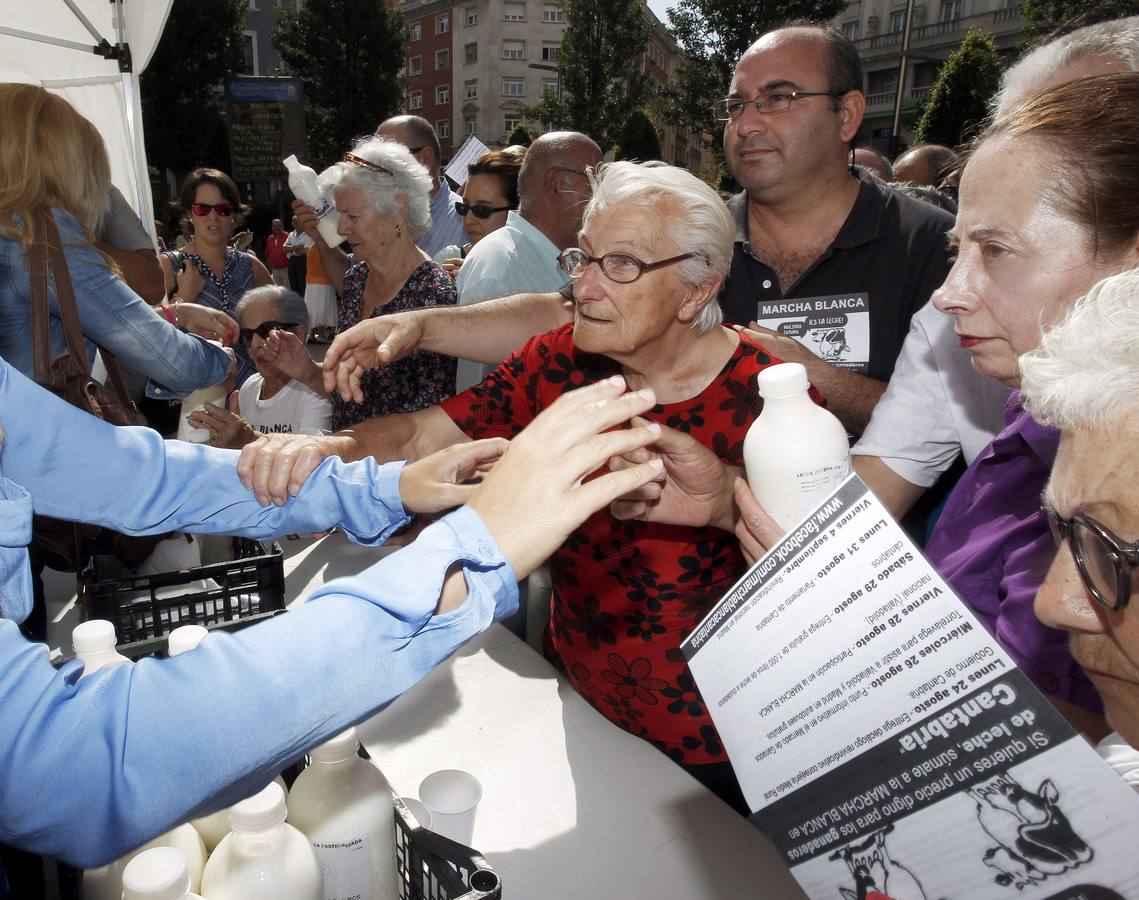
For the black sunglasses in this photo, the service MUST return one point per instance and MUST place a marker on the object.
(264, 330)
(1102, 559)
(481, 210)
(203, 209)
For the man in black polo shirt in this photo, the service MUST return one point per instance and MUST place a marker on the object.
(829, 264)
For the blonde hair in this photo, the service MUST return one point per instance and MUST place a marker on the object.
(50, 157)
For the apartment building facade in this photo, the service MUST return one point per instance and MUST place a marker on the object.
(936, 30)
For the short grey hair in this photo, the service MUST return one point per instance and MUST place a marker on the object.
(289, 304)
(1118, 39)
(404, 177)
(1085, 373)
(697, 213)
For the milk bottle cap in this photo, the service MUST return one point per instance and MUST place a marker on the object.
(156, 874)
(184, 638)
(783, 380)
(336, 749)
(93, 635)
(264, 810)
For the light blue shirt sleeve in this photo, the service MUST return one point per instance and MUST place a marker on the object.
(129, 479)
(90, 769)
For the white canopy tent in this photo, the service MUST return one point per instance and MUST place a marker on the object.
(90, 52)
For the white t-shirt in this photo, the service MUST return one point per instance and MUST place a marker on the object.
(294, 409)
(936, 405)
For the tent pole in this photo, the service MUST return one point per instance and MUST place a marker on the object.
(45, 39)
(70, 4)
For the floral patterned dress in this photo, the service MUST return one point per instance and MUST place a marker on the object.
(420, 379)
(625, 594)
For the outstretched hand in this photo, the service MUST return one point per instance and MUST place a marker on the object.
(438, 482)
(538, 494)
(366, 345)
(694, 487)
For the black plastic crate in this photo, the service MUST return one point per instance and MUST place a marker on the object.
(432, 867)
(146, 608)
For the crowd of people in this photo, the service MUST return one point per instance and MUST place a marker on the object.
(976, 303)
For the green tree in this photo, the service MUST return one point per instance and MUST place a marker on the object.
(638, 139)
(1044, 16)
(714, 34)
(349, 55)
(183, 96)
(599, 69)
(520, 136)
(959, 99)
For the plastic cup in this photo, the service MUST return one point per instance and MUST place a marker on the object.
(416, 808)
(452, 796)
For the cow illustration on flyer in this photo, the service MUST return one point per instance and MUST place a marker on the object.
(1034, 838)
(877, 875)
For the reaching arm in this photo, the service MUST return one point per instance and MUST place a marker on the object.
(332, 259)
(484, 332)
(896, 494)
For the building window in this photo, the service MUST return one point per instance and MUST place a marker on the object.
(472, 52)
(472, 14)
(415, 100)
(553, 13)
(850, 31)
(514, 12)
(512, 122)
(442, 23)
(470, 126)
(443, 128)
(249, 53)
(514, 50)
(550, 52)
(415, 65)
(550, 87)
(442, 59)
(897, 21)
(416, 31)
(950, 10)
(472, 89)
(513, 87)
(442, 94)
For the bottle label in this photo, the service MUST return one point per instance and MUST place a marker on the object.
(814, 484)
(347, 869)
(322, 206)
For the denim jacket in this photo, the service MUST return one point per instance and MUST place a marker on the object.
(112, 316)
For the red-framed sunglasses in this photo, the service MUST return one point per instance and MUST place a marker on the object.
(225, 210)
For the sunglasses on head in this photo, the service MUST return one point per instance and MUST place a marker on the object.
(203, 209)
(480, 210)
(264, 329)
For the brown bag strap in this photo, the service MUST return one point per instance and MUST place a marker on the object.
(48, 252)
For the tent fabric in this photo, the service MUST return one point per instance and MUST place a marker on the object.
(90, 83)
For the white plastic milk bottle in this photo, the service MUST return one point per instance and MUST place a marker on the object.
(196, 402)
(302, 182)
(344, 806)
(795, 452)
(157, 874)
(106, 882)
(262, 857)
(94, 643)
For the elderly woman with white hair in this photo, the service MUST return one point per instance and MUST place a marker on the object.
(655, 246)
(1084, 380)
(382, 195)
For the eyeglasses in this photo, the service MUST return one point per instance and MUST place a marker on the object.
(264, 330)
(731, 108)
(581, 172)
(480, 210)
(619, 267)
(355, 160)
(1103, 560)
(225, 210)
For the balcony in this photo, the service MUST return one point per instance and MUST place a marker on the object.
(882, 104)
(1003, 24)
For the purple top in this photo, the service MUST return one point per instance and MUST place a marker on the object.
(992, 545)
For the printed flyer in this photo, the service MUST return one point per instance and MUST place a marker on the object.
(884, 741)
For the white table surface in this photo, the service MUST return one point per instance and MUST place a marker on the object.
(573, 807)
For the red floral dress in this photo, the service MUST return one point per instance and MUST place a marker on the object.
(625, 594)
